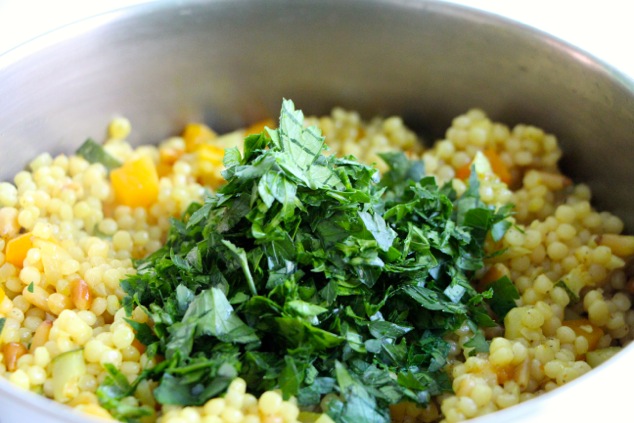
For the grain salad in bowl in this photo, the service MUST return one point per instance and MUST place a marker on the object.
(260, 276)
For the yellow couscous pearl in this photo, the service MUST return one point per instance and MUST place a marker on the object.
(232, 415)
(214, 407)
(557, 251)
(41, 357)
(289, 412)
(270, 402)
(123, 337)
(119, 128)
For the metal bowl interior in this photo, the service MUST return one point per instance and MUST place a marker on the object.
(228, 63)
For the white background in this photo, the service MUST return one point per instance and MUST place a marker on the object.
(603, 28)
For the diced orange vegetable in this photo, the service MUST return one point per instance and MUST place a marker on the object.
(196, 134)
(138, 345)
(583, 327)
(497, 165)
(258, 127)
(464, 172)
(17, 248)
(136, 183)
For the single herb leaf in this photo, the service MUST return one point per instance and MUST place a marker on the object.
(478, 343)
(383, 234)
(95, 153)
(504, 295)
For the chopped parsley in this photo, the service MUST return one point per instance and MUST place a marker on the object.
(309, 274)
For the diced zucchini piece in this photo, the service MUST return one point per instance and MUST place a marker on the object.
(68, 368)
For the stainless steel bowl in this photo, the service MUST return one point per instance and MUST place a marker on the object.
(164, 63)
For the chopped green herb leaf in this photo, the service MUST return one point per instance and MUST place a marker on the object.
(478, 342)
(95, 153)
(504, 295)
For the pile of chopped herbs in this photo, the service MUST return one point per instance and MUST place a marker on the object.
(309, 274)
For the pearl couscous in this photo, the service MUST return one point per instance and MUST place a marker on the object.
(69, 233)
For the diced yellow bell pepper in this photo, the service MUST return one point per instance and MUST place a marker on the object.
(196, 134)
(17, 248)
(209, 163)
(136, 183)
